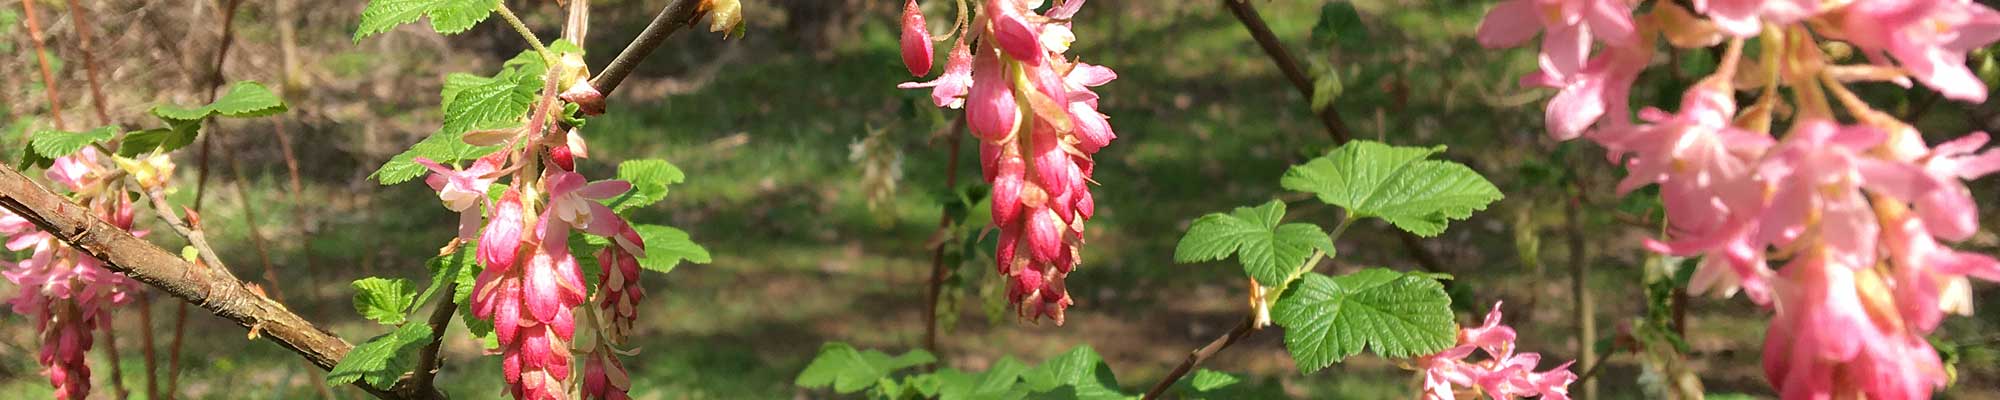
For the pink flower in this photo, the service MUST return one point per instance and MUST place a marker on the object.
(1504, 374)
(575, 202)
(992, 112)
(1704, 167)
(1567, 28)
(916, 40)
(604, 378)
(1744, 18)
(1598, 89)
(530, 308)
(499, 245)
(619, 292)
(949, 89)
(463, 190)
(1928, 38)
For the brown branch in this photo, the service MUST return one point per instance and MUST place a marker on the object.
(678, 14)
(1301, 80)
(111, 354)
(212, 289)
(938, 271)
(81, 17)
(42, 56)
(427, 359)
(1243, 329)
(1335, 127)
(146, 346)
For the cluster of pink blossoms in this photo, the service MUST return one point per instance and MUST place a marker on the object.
(1502, 374)
(1038, 126)
(531, 287)
(1852, 212)
(67, 293)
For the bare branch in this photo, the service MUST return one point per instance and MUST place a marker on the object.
(678, 14)
(1244, 329)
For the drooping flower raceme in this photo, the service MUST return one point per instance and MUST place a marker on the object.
(1038, 125)
(1501, 374)
(531, 286)
(1855, 216)
(68, 294)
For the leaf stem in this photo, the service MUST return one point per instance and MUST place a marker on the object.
(529, 35)
(1342, 227)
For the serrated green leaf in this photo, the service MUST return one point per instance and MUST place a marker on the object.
(439, 147)
(383, 300)
(650, 179)
(447, 16)
(1397, 315)
(140, 142)
(244, 99)
(1268, 251)
(1080, 373)
(382, 359)
(1396, 184)
(848, 370)
(55, 144)
(1327, 87)
(471, 102)
(667, 246)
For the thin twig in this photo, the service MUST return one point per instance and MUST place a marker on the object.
(111, 354)
(938, 270)
(257, 241)
(1195, 358)
(1586, 324)
(48, 73)
(81, 17)
(146, 345)
(1596, 365)
(427, 358)
(677, 14)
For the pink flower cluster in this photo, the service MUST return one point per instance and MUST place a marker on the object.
(1502, 374)
(1853, 213)
(531, 286)
(67, 293)
(1038, 124)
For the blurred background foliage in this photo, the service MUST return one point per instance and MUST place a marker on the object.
(817, 186)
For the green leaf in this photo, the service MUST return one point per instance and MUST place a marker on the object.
(848, 370)
(1268, 251)
(1339, 24)
(383, 300)
(666, 247)
(1327, 87)
(1001, 381)
(1398, 315)
(382, 359)
(1208, 380)
(1081, 373)
(245, 99)
(470, 102)
(54, 144)
(650, 179)
(1396, 184)
(447, 16)
(450, 268)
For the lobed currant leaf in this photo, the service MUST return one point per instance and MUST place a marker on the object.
(1001, 381)
(1396, 314)
(1396, 184)
(384, 300)
(848, 370)
(1268, 251)
(382, 359)
(650, 179)
(447, 16)
(54, 144)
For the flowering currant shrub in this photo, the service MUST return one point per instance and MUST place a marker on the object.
(1815, 205)
(70, 294)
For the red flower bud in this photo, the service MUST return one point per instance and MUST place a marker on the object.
(916, 40)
